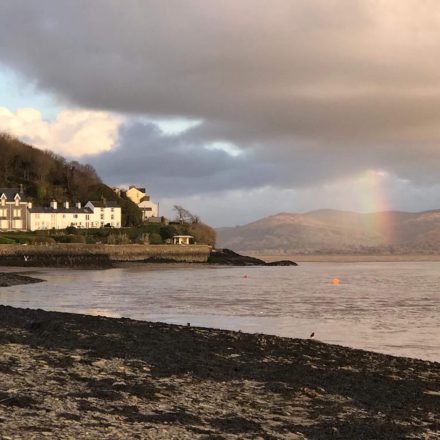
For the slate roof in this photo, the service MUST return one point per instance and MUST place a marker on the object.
(10, 193)
(61, 210)
(106, 204)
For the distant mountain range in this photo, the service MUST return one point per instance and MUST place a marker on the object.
(336, 232)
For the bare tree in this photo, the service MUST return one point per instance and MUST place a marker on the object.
(185, 216)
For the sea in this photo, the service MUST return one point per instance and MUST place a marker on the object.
(391, 308)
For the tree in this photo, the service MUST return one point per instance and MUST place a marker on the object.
(203, 234)
(184, 216)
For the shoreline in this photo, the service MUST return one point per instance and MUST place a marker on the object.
(66, 375)
(302, 258)
(8, 279)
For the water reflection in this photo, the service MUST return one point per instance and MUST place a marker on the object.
(387, 307)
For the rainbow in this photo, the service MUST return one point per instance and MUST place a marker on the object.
(378, 220)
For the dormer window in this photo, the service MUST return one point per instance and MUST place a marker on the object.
(17, 200)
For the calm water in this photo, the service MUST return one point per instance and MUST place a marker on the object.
(387, 307)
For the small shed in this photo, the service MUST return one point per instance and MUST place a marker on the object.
(182, 239)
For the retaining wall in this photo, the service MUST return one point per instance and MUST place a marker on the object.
(98, 255)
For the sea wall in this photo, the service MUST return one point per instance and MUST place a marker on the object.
(98, 255)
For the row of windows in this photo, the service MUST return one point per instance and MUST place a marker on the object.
(15, 212)
(3, 202)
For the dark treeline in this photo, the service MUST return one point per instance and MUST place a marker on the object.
(46, 176)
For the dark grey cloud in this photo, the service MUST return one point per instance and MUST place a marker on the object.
(308, 90)
(177, 165)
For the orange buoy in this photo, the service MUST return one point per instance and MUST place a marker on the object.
(336, 281)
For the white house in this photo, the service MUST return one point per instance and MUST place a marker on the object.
(142, 199)
(92, 215)
(58, 217)
(105, 213)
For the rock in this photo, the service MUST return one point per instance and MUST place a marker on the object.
(14, 279)
(227, 257)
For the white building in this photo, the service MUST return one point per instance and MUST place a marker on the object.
(92, 215)
(142, 199)
(182, 239)
(105, 213)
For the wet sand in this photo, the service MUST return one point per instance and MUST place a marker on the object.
(68, 376)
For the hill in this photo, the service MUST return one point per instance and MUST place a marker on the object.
(46, 176)
(336, 232)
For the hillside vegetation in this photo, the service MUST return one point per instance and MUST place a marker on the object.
(337, 232)
(46, 176)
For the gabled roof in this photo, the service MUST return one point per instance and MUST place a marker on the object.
(61, 210)
(104, 204)
(142, 190)
(10, 193)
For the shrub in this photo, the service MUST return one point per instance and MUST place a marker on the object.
(90, 239)
(118, 239)
(4, 240)
(71, 239)
(203, 234)
(45, 240)
(168, 232)
(155, 238)
(70, 230)
(77, 239)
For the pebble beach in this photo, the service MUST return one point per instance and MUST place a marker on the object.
(71, 376)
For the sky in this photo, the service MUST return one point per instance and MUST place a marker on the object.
(235, 109)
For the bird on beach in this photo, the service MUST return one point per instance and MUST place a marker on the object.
(312, 335)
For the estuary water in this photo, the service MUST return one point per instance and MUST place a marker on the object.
(391, 308)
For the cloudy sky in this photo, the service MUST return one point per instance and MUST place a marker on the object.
(235, 109)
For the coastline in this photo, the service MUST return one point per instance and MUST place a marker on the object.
(336, 258)
(8, 279)
(79, 376)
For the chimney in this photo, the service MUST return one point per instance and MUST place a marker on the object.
(78, 205)
(29, 205)
(54, 204)
(66, 204)
(21, 188)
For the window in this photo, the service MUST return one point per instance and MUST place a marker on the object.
(17, 213)
(102, 216)
(75, 215)
(3, 212)
(17, 202)
(18, 224)
(112, 217)
(3, 202)
(113, 209)
(87, 217)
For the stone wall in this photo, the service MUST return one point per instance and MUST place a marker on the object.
(102, 255)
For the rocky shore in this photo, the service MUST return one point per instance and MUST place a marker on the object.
(14, 279)
(69, 376)
(226, 257)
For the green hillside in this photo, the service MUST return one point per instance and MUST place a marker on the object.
(46, 176)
